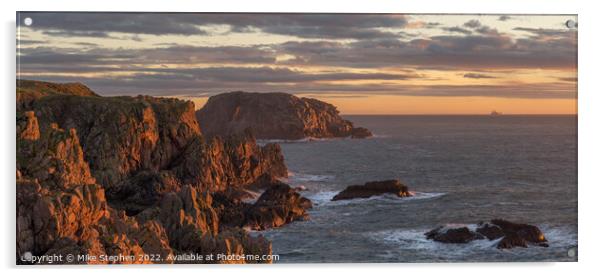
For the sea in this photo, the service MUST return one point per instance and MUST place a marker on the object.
(462, 169)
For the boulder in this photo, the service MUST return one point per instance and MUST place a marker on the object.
(527, 232)
(453, 234)
(370, 189)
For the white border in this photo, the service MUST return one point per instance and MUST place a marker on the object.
(589, 133)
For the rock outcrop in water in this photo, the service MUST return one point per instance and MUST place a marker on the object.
(278, 205)
(128, 176)
(453, 234)
(510, 234)
(274, 116)
(370, 189)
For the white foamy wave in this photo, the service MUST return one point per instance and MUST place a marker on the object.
(303, 140)
(324, 198)
(416, 240)
(560, 236)
(266, 141)
(301, 177)
(377, 136)
(423, 195)
(321, 198)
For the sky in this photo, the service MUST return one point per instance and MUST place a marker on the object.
(362, 63)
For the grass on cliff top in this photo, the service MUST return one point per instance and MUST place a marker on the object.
(39, 88)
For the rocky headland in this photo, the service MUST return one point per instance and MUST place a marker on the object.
(135, 175)
(274, 116)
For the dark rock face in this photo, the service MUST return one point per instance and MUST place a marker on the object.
(518, 234)
(511, 234)
(127, 175)
(490, 231)
(274, 116)
(373, 188)
(512, 240)
(453, 235)
(278, 205)
(360, 132)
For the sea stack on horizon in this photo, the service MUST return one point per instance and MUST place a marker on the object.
(274, 116)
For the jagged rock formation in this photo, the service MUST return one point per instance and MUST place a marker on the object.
(274, 116)
(127, 176)
(510, 234)
(278, 205)
(370, 189)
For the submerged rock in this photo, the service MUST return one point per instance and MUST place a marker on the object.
(274, 116)
(373, 188)
(510, 234)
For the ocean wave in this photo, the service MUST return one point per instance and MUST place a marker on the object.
(324, 198)
(302, 177)
(302, 140)
(414, 239)
(560, 236)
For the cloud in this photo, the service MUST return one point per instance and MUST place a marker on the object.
(477, 76)
(340, 49)
(456, 52)
(100, 24)
(473, 24)
(184, 85)
(22, 42)
(541, 33)
(486, 30)
(163, 55)
(418, 24)
(568, 79)
(333, 26)
(457, 30)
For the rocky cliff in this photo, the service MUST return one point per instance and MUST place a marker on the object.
(128, 176)
(274, 116)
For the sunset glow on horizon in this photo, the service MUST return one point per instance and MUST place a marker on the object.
(363, 64)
